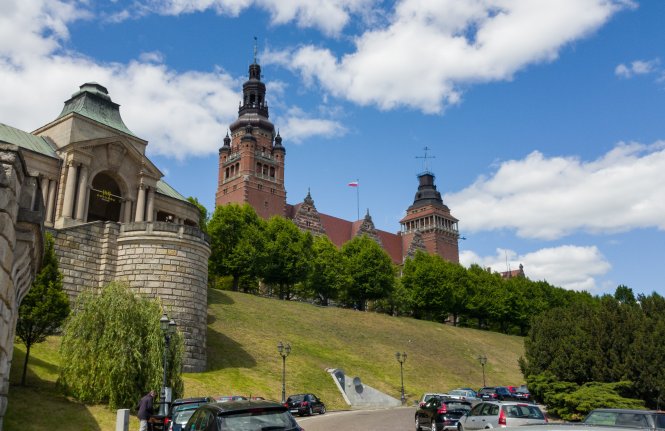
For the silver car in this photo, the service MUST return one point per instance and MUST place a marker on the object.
(494, 414)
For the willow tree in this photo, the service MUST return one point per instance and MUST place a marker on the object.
(112, 349)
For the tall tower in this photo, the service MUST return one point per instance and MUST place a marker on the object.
(251, 161)
(428, 222)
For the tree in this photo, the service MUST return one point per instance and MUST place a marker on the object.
(203, 213)
(236, 242)
(370, 270)
(326, 275)
(45, 307)
(288, 252)
(112, 349)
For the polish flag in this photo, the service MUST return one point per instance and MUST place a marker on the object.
(353, 184)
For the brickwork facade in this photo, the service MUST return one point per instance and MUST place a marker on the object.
(21, 245)
(157, 260)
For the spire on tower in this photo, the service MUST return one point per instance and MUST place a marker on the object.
(425, 157)
(256, 41)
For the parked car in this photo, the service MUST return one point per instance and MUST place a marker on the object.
(180, 418)
(305, 404)
(463, 394)
(182, 404)
(242, 415)
(494, 414)
(522, 394)
(500, 393)
(440, 413)
(487, 393)
(627, 418)
(225, 398)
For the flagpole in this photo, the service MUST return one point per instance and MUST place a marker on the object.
(358, 198)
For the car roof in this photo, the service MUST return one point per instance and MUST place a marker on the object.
(191, 400)
(634, 411)
(243, 405)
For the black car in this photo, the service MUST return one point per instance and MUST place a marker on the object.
(182, 404)
(487, 393)
(242, 415)
(305, 404)
(441, 413)
(497, 393)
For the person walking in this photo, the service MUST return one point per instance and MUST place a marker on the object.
(145, 410)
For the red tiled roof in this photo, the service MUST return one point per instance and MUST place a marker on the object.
(392, 244)
(338, 230)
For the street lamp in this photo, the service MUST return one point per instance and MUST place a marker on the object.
(401, 357)
(168, 329)
(483, 361)
(283, 352)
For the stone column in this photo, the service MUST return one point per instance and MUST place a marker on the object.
(140, 203)
(44, 186)
(82, 193)
(70, 187)
(127, 211)
(151, 204)
(50, 205)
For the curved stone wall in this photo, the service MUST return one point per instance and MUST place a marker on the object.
(158, 260)
(170, 262)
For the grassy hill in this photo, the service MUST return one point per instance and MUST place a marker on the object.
(243, 332)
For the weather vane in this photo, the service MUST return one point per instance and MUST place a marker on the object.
(425, 157)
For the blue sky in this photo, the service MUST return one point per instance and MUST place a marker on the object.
(545, 117)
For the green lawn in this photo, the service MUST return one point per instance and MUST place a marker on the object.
(243, 332)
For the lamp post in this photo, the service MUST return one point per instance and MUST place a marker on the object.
(401, 357)
(168, 329)
(283, 352)
(483, 361)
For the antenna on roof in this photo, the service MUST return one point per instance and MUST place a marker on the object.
(425, 157)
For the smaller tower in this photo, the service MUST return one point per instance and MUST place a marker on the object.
(428, 220)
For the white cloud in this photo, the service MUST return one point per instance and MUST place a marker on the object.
(431, 49)
(571, 267)
(329, 16)
(549, 198)
(158, 104)
(297, 127)
(638, 67)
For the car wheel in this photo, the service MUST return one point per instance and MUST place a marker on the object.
(323, 409)
(418, 424)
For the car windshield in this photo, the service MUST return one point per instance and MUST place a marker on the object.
(457, 392)
(458, 406)
(523, 411)
(295, 398)
(259, 420)
(183, 416)
(188, 406)
(626, 419)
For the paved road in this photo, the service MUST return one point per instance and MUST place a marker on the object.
(397, 419)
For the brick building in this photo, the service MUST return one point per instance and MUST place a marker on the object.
(252, 165)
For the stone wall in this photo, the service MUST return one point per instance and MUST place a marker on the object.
(170, 262)
(21, 247)
(158, 260)
(86, 255)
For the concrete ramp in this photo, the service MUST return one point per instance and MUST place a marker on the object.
(359, 395)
